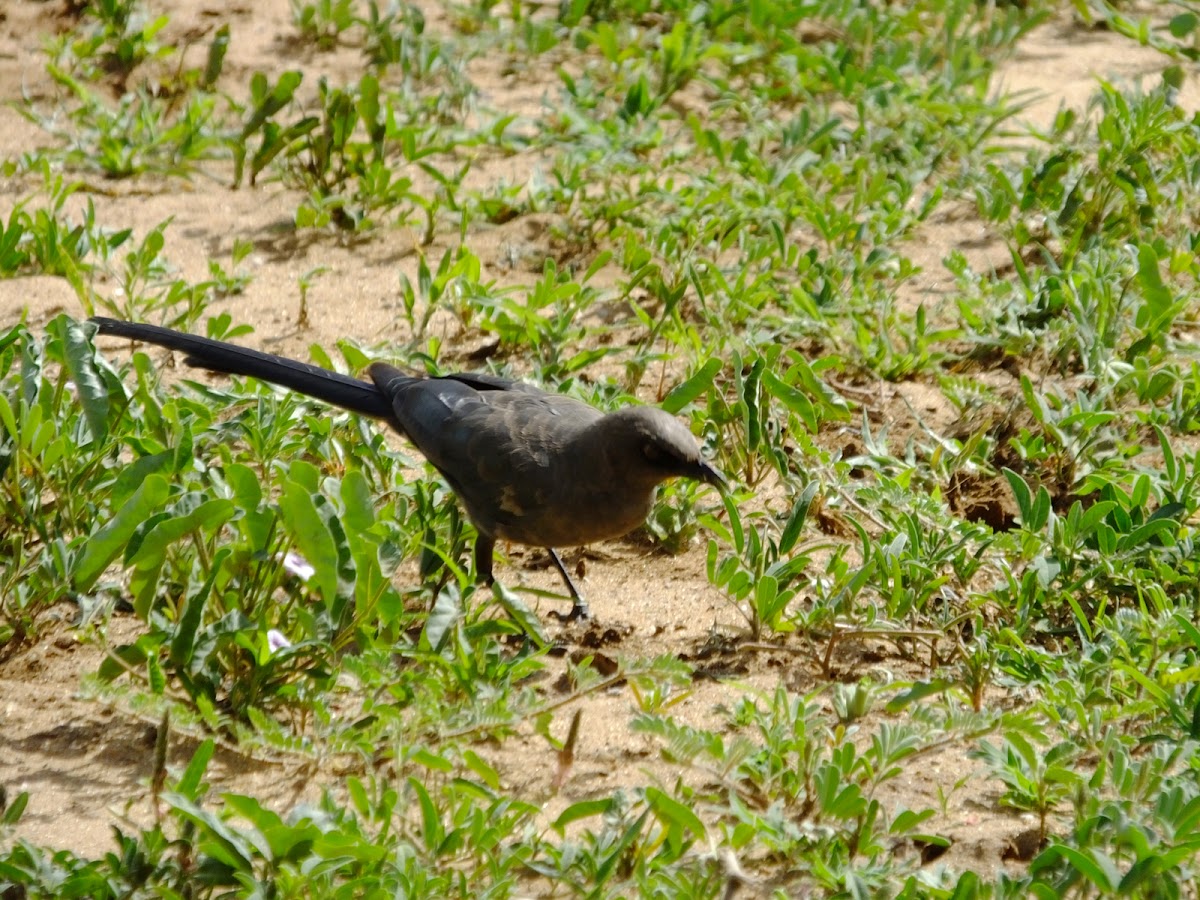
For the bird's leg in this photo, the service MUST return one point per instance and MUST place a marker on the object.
(580, 608)
(484, 547)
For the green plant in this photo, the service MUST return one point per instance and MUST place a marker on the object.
(118, 36)
(55, 453)
(736, 211)
(1034, 780)
(323, 22)
(760, 571)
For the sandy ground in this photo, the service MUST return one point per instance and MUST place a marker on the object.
(82, 759)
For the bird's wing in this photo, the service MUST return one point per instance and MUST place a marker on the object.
(482, 382)
(500, 448)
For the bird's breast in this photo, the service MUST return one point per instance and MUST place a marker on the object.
(573, 518)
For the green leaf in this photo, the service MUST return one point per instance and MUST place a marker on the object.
(267, 104)
(584, 809)
(917, 691)
(192, 615)
(155, 677)
(129, 657)
(431, 760)
(138, 471)
(1096, 866)
(766, 593)
(190, 782)
(686, 392)
(225, 843)
(1021, 494)
(1180, 26)
(517, 610)
(1081, 618)
(1158, 297)
(797, 518)
(793, 399)
(432, 823)
(1095, 514)
(12, 814)
(256, 524)
(7, 419)
(312, 538)
(907, 819)
(1189, 629)
(735, 522)
(1143, 534)
(751, 397)
(670, 811)
(305, 474)
(596, 265)
(1171, 511)
(486, 772)
(81, 366)
(801, 372)
(148, 561)
(618, 850)
(445, 613)
(216, 57)
(1161, 697)
(1041, 510)
(359, 503)
(107, 543)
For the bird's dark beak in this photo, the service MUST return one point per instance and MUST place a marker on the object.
(710, 474)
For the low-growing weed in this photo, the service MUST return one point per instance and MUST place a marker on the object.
(973, 479)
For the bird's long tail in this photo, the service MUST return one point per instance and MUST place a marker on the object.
(217, 356)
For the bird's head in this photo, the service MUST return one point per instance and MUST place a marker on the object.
(652, 446)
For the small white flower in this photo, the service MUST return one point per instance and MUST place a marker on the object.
(276, 641)
(298, 565)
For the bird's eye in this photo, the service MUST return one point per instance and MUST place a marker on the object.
(653, 453)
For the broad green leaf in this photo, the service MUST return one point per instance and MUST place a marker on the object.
(670, 811)
(234, 847)
(431, 760)
(138, 471)
(918, 691)
(7, 419)
(1021, 494)
(1157, 295)
(687, 391)
(432, 824)
(190, 782)
(12, 813)
(81, 366)
(520, 613)
(312, 538)
(192, 616)
(1143, 534)
(795, 523)
(584, 809)
(445, 613)
(359, 504)
(486, 772)
(793, 399)
(129, 657)
(148, 561)
(107, 543)
(1095, 865)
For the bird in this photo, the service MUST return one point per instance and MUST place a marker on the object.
(528, 466)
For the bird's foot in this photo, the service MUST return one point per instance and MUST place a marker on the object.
(579, 613)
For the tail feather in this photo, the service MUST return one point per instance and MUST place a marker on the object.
(218, 356)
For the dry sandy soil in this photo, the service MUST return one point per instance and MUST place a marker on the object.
(82, 759)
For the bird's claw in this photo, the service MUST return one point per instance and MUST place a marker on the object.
(579, 613)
